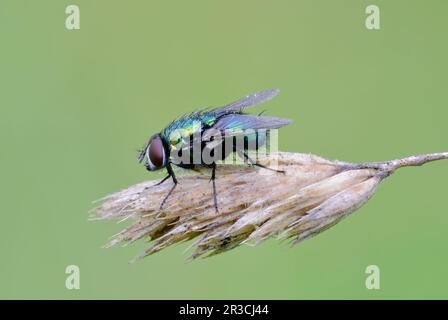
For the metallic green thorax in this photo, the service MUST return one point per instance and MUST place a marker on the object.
(183, 128)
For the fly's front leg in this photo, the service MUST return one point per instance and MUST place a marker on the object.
(172, 175)
(163, 180)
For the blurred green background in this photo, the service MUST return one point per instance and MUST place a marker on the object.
(76, 105)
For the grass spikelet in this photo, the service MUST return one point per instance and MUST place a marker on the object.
(254, 204)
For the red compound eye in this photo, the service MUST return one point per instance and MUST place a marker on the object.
(156, 153)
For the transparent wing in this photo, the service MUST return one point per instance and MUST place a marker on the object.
(237, 124)
(249, 101)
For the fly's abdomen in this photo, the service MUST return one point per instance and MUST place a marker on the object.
(244, 144)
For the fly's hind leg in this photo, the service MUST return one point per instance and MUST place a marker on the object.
(213, 178)
(244, 155)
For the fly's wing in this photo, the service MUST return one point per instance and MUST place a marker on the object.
(249, 101)
(238, 124)
(234, 122)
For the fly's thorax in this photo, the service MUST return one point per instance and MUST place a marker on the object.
(183, 145)
(183, 130)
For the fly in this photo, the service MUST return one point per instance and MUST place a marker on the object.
(204, 132)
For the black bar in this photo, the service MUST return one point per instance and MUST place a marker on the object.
(229, 309)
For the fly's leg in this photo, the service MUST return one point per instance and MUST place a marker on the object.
(169, 193)
(212, 179)
(170, 174)
(163, 180)
(255, 163)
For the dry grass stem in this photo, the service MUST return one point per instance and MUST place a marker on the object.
(254, 204)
